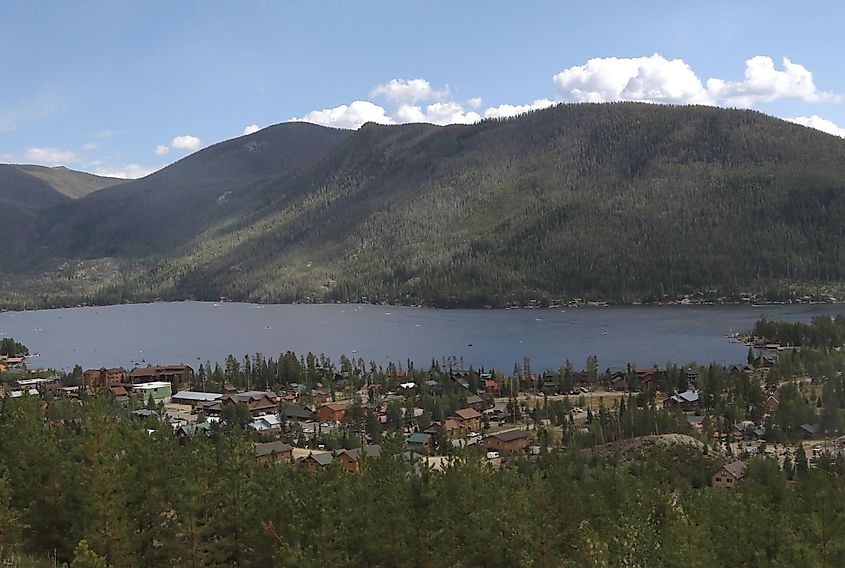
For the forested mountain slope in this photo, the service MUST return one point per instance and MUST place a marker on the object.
(618, 201)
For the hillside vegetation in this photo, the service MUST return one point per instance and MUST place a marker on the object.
(616, 201)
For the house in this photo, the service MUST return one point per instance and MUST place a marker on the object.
(421, 443)
(273, 452)
(258, 402)
(103, 377)
(296, 413)
(809, 431)
(157, 390)
(729, 475)
(350, 460)
(176, 374)
(772, 402)
(509, 441)
(229, 388)
(269, 424)
(765, 358)
(119, 392)
(321, 396)
(686, 400)
(188, 431)
(316, 461)
(332, 412)
(469, 420)
(691, 375)
(194, 398)
(475, 402)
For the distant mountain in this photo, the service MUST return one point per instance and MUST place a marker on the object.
(617, 201)
(34, 187)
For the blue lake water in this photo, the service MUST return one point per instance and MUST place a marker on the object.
(189, 332)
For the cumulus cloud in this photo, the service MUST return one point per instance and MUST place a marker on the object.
(50, 156)
(660, 80)
(653, 78)
(819, 123)
(448, 112)
(129, 171)
(403, 92)
(161, 150)
(764, 83)
(475, 102)
(187, 142)
(251, 129)
(506, 110)
(352, 115)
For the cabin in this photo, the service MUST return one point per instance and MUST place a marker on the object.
(273, 452)
(469, 420)
(421, 443)
(686, 400)
(296, 413)
(509, 441)
(333, 412)
(475, 402)
(314, 462)
(729, 475)
(188, 431)
(258, 402)
(765, 358)
(350, 460)
(809, 431)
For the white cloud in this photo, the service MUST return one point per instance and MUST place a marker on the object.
(504, 111)
(448, 112)
(187, 142)
(161, 150)
(352, 115)
(475, 102)
(90, 146)
(764, 83)
(660, 80)
(652, 78)
(50, 156)
(403, 92)
(251, 129)
(129, 171)
(819, 123)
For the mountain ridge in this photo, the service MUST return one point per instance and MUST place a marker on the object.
(622, 201)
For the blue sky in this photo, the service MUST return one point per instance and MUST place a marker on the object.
(124, 88)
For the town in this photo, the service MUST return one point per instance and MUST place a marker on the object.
(310, 412)
(261, 460)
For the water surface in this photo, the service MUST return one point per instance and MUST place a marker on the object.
(190, 332)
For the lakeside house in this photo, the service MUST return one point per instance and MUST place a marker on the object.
(175, 374)
(103, 377)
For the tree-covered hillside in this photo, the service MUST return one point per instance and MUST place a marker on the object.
(615, 201)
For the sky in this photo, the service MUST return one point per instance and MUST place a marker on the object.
(124, 88)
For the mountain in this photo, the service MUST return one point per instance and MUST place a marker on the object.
(27, 189)
(34, 187)
(620, 201)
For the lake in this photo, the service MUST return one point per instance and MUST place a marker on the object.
(190, 332)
